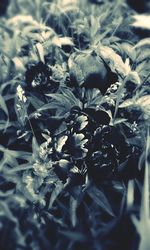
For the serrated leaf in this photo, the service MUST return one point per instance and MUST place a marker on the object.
(94, 97)
(133, 76)
(59, 98)
(70, 96)
(143, 102)
(143, 55)
(114, 61)
(127, 103)
(63, 102)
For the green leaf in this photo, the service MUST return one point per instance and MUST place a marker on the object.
(143, 43)
(36, 102)
(130, 194)
(35, 148)
(3, 105)
(57, 190)
(74, 236)
(73, 210)
(99, 197)
(40, 51)
(143, 224)
(62, 102)
(94, 97)
(19, 66)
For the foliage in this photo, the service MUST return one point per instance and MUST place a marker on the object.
(74, 124)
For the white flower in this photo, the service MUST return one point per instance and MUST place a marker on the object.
(40, 169)
(37, 115)
(20, 94)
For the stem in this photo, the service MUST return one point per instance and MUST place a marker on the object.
(119, 98)
(31, 126)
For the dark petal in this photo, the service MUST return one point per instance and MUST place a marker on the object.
(67, 48)
(140, 5)
(33, 71)
(99, 116)
(131, 114)
(75, 110)
(142, 33)
(99, 173)
(112, 77)
(110, 135)
(101, 79)
(94, 81)
(79, 153)
(101, 166)
(75, 146)
(24, 50)
(130, 86)
(30, 74)
(76, 179)
(89, 71)
(61, 172)
(129, 168)
(127, 130)
(3, 6)
(97, 1)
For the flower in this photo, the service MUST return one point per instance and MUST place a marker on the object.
(89, 70)
(76, 146)
(40, 169)
(86, 121)
(103, 164)
(20, 93)
(109, 150)
(77, 120)
(68, 173)
(73, 145)
(109, 135)
(39, 77)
